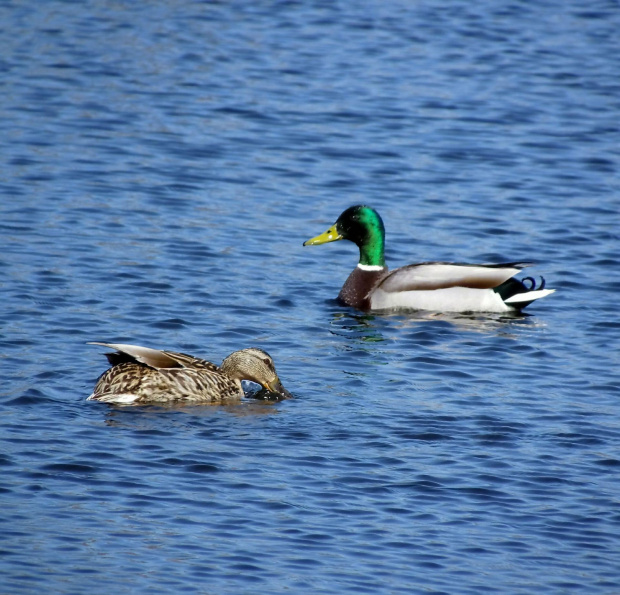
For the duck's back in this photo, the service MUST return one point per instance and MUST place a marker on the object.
(134, 383)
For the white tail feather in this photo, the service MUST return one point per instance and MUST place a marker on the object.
(529, 296)
(117, 398)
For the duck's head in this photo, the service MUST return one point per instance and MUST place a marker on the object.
(256, 365)
(361, 225)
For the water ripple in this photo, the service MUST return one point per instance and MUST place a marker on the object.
(161, 171)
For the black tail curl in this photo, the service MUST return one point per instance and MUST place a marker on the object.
(532, 281)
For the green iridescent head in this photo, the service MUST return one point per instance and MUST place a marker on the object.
(361, 225)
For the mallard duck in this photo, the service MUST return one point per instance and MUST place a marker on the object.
(438, 286)
(140, 375)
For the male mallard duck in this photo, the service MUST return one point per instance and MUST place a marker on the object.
(140, 375)
(439, 286)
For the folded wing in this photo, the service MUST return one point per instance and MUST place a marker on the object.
(442, 275)
(153, 357)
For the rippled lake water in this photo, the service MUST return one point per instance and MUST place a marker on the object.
(161, 165)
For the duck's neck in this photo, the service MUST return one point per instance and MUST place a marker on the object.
(372, 249)
(231, 369)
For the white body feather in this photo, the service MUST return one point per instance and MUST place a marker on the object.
(451, 299)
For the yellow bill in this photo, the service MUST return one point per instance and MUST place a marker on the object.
(331, 235)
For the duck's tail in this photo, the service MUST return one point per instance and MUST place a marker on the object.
(517, 294)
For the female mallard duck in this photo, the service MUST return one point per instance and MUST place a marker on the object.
(140, 375)
(439, 286)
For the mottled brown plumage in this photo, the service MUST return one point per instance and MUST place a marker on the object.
(140, 375)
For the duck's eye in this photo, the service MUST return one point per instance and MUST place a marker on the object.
(268, 363)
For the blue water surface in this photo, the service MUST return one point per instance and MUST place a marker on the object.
(161, 164)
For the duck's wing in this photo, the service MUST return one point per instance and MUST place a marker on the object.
(443, 275)
(153, 358)
(189, 361)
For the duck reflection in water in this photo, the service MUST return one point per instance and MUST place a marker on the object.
(371, 328)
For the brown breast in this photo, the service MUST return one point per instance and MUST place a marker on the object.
(358, 286)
